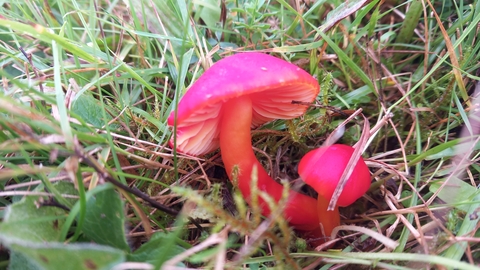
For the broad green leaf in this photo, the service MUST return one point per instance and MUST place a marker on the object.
(31, 233)
(18, 261)
(209, 11)
(54, 255)
(456, 192)
(90, 110)
(469, 225)
(466, 198)
(155, 250)
(24, 220)
(105, 220)
(64, 187)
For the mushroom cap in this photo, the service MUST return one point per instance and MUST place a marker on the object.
(272, 84)
(322, 168)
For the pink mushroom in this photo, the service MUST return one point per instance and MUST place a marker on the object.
(321, 169)
(236, 94)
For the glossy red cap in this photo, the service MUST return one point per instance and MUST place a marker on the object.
(272, 84)
(322, 168)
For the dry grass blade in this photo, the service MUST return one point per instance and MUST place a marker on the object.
(351, 163)
(255, 238)
(453, 56)
(390, 244)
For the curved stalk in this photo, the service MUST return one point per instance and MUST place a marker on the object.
(328, 220)
(236, 148)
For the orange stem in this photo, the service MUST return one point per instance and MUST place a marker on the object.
(328, 221)
(236, 147)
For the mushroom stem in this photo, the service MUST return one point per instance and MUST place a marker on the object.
(328, 219)
(236, 148)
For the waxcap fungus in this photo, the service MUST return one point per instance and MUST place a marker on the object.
(272, 84)
(322, 168)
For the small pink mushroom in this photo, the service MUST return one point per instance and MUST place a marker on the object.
(321, 169)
